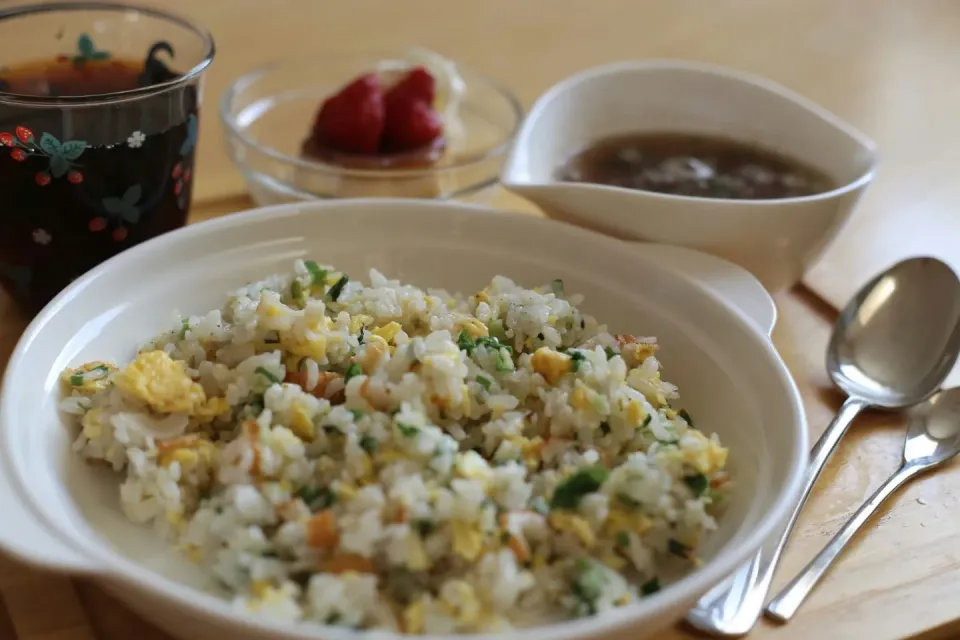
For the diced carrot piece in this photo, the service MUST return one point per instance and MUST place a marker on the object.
(322, 530)
(518, 548)
(345, 562)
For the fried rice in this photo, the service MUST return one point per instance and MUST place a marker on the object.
(387, 457)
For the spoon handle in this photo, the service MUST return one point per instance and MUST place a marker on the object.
(786, 603)
(732, 608)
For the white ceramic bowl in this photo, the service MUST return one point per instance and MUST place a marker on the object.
(777, 240)
(63, 514)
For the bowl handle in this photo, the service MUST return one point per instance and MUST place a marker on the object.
(730, 282)
(24, 538)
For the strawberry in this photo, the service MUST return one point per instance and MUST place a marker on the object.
(411, 124)
(352, 121)
(418, 86)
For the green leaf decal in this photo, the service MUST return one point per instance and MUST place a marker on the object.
(132, 195)
(191, 140)
(71, 149)
(113, 206)
(50, 144)
(59, 166)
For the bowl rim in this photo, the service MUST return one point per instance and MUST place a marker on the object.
(235, 131)
(705, 69)
(125, 572)
(98, 99)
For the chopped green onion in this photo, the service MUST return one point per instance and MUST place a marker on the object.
(319, 275)
(576, 358)
(678, 549)
(646, 421)
(623, 539)
(504, 362)
(650, 587)
(484, 382)
(424, 527)
(368, 443)
(627, 501)
(568, 493)
(407, 431)
(317, 499)
(353, 371)
(184, 327)
(269, 553)
(611, 353)
(698, 483)
(557, 287)
(296, 291)
(333, 618)
(76, 379)
(686, 416)
(357, 413)
(493, 343)
(337, 288)
(332, 430)
(465, 342)
(268, 375)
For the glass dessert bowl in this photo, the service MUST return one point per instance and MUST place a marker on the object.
(415, 125)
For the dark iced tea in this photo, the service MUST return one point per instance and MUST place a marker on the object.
(98, 156)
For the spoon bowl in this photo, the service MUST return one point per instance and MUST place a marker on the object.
(873, 353)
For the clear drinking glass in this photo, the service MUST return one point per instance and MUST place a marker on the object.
(99, 108)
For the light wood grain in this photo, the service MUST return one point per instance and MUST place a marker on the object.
(884, 65)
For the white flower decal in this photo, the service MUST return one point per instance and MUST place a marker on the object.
(40, 236)
(136, 139)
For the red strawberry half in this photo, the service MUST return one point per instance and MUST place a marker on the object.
(352, 121)
(417, 85)
(411, 124)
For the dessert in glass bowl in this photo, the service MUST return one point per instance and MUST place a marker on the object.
(417, 125)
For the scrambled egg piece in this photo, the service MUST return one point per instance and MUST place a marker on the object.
(413, 617)
(708, 458)
(190, 451)
(620, 520)
(467, 540)
(88, 378)
(164, 385)
(637, 413)
(577, 525)
(473, 327)
(461, 601)
(359, 321)
(301, 424)
(388, 331)
(551, 364)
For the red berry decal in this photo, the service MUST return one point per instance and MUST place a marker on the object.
(119, 234)
(177, 188)
(177, 170)
(186, 175)
(19, 155)
(42, 178)
(24, 134)
(97, 224)
(75, 177)
(7, 139)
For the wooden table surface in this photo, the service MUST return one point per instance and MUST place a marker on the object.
(899, 579)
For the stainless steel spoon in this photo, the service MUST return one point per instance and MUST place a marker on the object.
(932, 439)
(891, 347)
